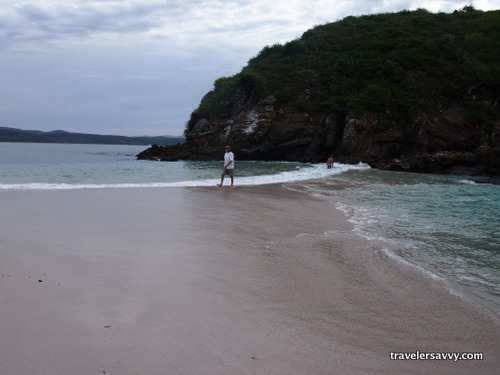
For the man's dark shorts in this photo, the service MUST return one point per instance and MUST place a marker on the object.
(229, 172)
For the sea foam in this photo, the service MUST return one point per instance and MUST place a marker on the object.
(308, 172)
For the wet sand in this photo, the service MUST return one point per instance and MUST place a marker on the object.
(256, 280)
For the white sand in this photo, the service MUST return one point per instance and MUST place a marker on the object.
(215, 281)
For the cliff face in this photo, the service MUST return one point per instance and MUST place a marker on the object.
(440, 118)
(263, 132)
(432, 143)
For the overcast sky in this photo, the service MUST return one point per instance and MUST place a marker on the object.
(140, 67)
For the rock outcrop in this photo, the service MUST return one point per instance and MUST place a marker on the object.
(433, 143)
(384, 112)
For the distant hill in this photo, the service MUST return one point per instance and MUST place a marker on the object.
(61, 136)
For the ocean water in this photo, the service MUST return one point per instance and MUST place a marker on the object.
(446, 226)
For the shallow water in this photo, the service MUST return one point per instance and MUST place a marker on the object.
(446, 225)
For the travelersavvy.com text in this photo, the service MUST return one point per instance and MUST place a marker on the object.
(427, 356)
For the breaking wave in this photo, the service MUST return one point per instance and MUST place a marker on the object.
(307, 172)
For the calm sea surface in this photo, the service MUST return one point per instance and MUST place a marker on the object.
(446, 226)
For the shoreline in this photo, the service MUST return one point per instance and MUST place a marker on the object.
(251, 280)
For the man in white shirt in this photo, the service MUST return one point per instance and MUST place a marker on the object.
(228, 166)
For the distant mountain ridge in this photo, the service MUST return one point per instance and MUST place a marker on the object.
(61, 136)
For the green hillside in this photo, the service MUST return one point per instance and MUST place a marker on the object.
(395, 65)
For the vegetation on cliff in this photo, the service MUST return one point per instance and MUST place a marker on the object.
(414, 91)
(394, 65)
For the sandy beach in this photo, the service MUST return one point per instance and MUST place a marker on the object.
(252, 280)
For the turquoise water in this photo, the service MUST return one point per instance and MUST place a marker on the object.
(61, 166)
(446, 226)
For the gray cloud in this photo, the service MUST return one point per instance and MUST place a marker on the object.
(58, 19)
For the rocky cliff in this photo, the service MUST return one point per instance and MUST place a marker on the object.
(380, 103)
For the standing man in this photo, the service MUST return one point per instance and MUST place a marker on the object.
(228, 166)
(329, 162)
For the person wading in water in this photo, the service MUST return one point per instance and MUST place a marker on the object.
(228, 166)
